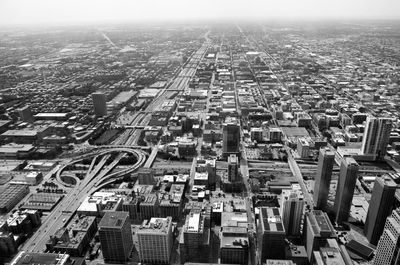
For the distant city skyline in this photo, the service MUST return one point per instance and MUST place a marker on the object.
(20, 12)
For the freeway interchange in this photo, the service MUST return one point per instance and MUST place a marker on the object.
(97, 175)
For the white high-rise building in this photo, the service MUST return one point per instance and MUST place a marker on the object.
(387, 251)
(292, 211)
(376, 136)
(155, 241)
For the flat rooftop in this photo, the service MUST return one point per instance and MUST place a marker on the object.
(321, 224)
(51, 115)
(156, 225)
(40, 258)
(14, 148)
(113, 219)
(271, 219)
(233, 219)
(20, 133)
(201, 176)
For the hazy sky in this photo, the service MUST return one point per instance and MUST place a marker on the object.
(77, 11)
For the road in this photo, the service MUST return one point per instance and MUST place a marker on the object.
(297, 173)
(71, 202)
(244, 169)
(99, 173)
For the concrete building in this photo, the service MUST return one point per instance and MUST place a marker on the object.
(297, 254)
(155, 241)
(326, 161)
(23, 258)
(26, 114)
(257, 134)
(100, 203)
(115, 236)
(292, 207)
(233, 165)
(201, 178)
(230, 137)
(271, 232)
(303, 147)
(345, 189)
(8, 246)
(379, 208)
(207, 165)
(11, 196)
(376, 136)
(149, 207)
(16, 151)
(171, 203)
(387, 251)
(73, 239)
(234, 241)
(318, 229)
(99, 104)
(275, 135)
(327, 256)
(146, 176)
(194, 240)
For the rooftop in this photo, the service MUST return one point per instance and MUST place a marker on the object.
(113, 219)
(156, 225)
(271, 219)
(320, 223)
(41, 258)
(20, 133)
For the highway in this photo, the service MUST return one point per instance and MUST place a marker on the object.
(297, 173)
(74, 198)
(98, 174)
(177, 83)
(244, 169)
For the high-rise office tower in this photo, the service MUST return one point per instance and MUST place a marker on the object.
(326, 161)
(292, 211)
(271, 234)
(345, 188)
(155, 241)
(379, 208)
(99, 104)
(115, 236)
(230, 137)
(376, 136)
(192, 244)
(387, 251)
(233, 168)
(318, 229)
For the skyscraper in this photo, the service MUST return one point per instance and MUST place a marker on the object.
(155, 241)
(345, 189)
(115, 236)
(99, 104)
(387, 251)
(318, 229)
(232, 168)
(380, 207)
(230, 137)
(192, 243)
(271, 234)
(326, 161)
(292, 211)
(376, 136)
